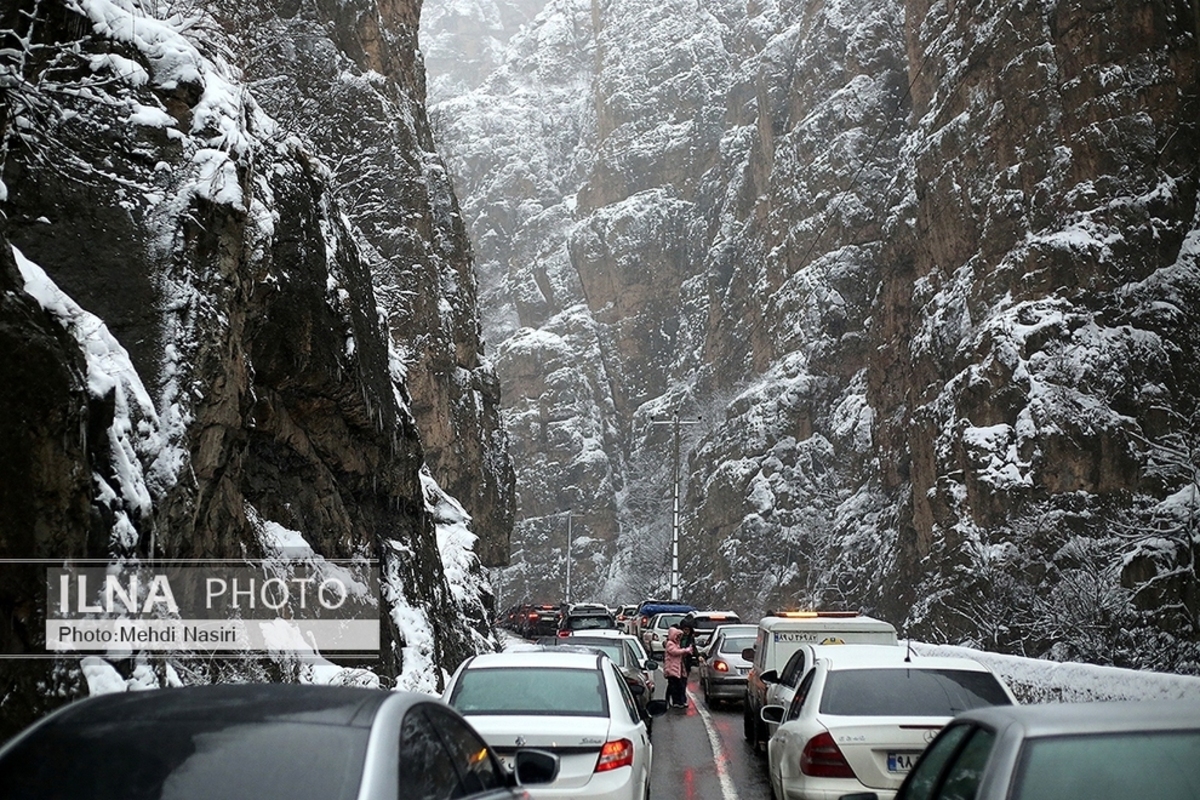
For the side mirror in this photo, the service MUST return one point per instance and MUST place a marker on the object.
(748, 654)
(770, 676)
(637, 689)
(656, 708)
(535, 766)
(650, 665)
(772, 714)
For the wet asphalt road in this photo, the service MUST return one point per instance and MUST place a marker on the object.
(699, 753)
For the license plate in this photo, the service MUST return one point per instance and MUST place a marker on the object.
(901, 762)
(507, 762)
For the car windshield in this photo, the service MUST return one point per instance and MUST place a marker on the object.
(736, 644)
(531, 690)
(184, 759)
(909, 692)
(1157, 765)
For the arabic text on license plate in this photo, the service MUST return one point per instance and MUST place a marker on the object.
(901, 762)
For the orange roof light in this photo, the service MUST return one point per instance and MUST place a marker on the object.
(815, 614)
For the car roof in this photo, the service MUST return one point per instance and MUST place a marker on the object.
(245, 703)
(600, 633)
(823, 623)
(1056, 719)
(886, 656)
(538, 656)
(713, 614)
(664, 607)
(588, 611)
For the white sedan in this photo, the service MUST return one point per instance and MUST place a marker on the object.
(862, 715)
(575, 705)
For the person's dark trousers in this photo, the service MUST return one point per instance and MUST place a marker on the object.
(676, 691)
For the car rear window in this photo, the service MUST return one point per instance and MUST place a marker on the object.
(531, 690)
(184, 759)
(667, 620)
(1153, 765)
(736, 644)
(909, 692)
(615, 650)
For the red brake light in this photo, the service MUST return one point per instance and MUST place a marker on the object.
(533, 616)
(564, 634)
(720, 666)
(615, 754)
(823, 759)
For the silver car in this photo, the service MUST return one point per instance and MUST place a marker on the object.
(261, 741)
(575, 705)
(722, 667)
(1149, 750)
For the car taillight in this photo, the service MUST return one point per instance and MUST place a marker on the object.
(564, 634)
(533, 616)
(615, 754)
(720, 666)
(822, 758)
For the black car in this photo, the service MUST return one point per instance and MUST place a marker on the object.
(539, 620)
(261, 741)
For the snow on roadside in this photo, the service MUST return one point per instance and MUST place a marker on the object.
(1039, 681)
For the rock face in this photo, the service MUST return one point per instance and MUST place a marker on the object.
(347, 77)
(227, 316)
(924, 270)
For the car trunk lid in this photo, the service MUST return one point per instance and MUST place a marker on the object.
(881, 752)
(575, 740)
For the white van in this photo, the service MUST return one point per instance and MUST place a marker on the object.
(782, 634)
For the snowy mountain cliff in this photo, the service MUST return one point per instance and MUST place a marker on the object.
(239, 314)
(925, 272)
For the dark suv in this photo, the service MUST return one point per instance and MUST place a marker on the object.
(585, 617)
(539, 620)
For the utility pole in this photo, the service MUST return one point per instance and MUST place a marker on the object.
(568, 598)
(675, 422)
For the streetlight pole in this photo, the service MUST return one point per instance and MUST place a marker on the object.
(568, 556)
(675, 422)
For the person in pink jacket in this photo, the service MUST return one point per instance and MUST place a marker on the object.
(678, 646)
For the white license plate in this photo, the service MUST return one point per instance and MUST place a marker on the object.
(901, 762)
